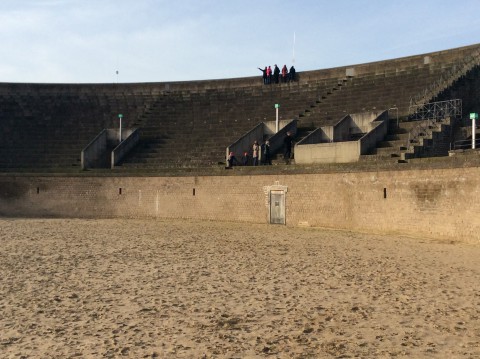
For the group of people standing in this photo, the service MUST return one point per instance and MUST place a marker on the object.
(263, 153)
(258, 152)
(264, 149)
(277, 76)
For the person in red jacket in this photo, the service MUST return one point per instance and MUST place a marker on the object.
(284, 73)
(269, 75)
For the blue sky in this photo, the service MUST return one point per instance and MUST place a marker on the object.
(176, 40)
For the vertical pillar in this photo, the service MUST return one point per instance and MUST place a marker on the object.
(277, 106)
(474, 117)
(473, 133)
(120, 129)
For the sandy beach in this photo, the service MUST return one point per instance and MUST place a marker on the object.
(73, 288)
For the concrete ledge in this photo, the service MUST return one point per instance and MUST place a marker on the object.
(463, 161)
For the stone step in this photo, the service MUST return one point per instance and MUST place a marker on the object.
(379, 158)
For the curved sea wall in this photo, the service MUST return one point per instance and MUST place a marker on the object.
(436, 203)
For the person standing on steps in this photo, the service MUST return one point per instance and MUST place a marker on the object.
(245, 159)
(266, 158)
(255, 152)
(287, 142)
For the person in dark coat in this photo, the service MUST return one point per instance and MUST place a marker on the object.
(291, 74)
(266, 157)
(264, 75)
(245, 159)
(288, 142)
(276, 74)
(232, 160)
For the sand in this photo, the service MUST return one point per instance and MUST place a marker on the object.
(176, 289)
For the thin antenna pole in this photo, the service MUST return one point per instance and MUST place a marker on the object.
(117, 70)
(293, 59)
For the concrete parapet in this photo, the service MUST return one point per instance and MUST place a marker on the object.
(91, 155)
(352, 136)
(132, 138)
(95, 153)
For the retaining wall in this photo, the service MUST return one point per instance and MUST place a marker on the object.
(438, 203)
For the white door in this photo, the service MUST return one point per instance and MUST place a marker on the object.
(277, 207)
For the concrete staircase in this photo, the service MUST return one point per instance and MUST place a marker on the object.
(412, 139)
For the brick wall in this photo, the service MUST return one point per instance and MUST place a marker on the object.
(439, 203)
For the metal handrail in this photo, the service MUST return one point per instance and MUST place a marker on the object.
(465, 144)
(436, 110)
(431, 114)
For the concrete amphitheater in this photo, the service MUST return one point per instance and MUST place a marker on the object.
(61, 155)
(149, 247)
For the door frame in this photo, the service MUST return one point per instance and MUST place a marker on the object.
(277, 187)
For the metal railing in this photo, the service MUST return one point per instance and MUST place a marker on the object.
(436, 110)
(430, 114)
(465, 144)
